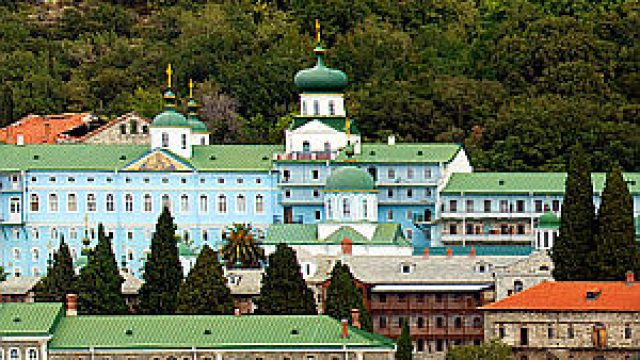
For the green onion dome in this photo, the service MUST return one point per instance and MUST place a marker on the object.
(349, 178)
(170, 117)
(321, 78)
(548, 220)
(192, 119)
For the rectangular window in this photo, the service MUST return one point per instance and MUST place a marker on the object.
(183, 139)
(570, 332)
(538, 205)
(502, 332)
(382, 297)
(520, 206)
(469, 205)
(390, 193)
(53, 202)
(627, 331)
(524, 336)
(390, 215)
(391, 174)
(427, 173)
(383, 322)
(72, 203)
(504, 206)
(315, 174)
(487, 206)
(410, 173)
(550, 332)
(91, 202)
(555, 205)
(453, 229)
(317, 213)
(453, 205)
(286, 174)
(520, 230)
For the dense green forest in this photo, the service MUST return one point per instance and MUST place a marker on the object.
(518, 82)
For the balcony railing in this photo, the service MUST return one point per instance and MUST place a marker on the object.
(487, 237)
(489, 215)
(305, 156)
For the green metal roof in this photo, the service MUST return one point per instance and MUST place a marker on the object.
(320, 78)
(307, 234)
(110, 157)
(524, 183)
(337, 123)
(349, 178)
(548, 220)
(21, 319)
(170, 118)
(213, 332)
(403, 153)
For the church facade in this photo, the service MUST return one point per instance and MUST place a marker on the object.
(394, 194)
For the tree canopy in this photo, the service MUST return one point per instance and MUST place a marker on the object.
(60, 278)
(343, 296)
(518, 82)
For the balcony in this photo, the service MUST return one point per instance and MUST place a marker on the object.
(488, 215)
(299, 200)
(487, 237)
(296, 219)
(305, 156)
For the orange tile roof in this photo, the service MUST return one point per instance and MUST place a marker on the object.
(572, 296)
(41, 129)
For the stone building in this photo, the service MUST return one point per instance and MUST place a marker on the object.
(130, 128)
(523, 274)
(44, 331)
(569, 320)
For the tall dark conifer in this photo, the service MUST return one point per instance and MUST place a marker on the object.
(616, 248)
(205, 290)
(162, 271)
(343, 295)
(404, 350)
(573, 250)
(100, 283)
(60, 278)
(6, 105)
(284, 291)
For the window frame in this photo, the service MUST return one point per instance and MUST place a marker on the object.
(91, 202)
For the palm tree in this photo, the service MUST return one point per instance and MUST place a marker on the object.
(241, 249)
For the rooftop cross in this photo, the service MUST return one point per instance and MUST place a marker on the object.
(317, 31)
(169, 72)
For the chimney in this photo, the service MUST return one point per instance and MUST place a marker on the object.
(391, 140)
(236, 312)
(20, 140)
(355, 318)
(72, 305)
(472, 252)
(449, 252)
(630, 278)
(426, 252)
(345, 328)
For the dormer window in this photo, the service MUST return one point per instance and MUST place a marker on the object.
(407, 268)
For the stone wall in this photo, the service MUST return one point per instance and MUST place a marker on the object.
(564, 334)
(120, 132)
(528, 272)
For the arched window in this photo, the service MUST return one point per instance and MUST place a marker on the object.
(222, 204)
(35, 254)
(316, 107)
(123, 129)
(32, 354)
(148, 207)
(183, 141)
(14, 354)
(517, 286)
(133, 127)
(184, 203)
(54, 233)
(306, 147)
(346, 208)
(166, 202)
(259, 204)
(332, 107)
(204, 203)
(128, 203)
(241, 204)
(53, 202)
(110, 203)
(34, 204)
(72, 202)
(91, 202)
(16, 254)
(14, 207)
(165, 139)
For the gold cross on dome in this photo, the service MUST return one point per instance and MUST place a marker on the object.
(169, 72)
(190, 88)
(317, 31)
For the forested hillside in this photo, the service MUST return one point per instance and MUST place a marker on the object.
(516, 81)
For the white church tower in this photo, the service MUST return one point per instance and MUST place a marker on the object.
(322, 128)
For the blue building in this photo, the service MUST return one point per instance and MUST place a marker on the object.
(427, 190)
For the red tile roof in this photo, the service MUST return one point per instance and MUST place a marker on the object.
(572, 296)
(42, 129)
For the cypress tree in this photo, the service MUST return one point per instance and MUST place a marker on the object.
(343, 295)
(162, 271)
(284, 291)
(60, 278)
(616, 248)
(573, 249)
(100, 282)
(404, 350)
(6, 105)
(205, 289)
(3, 274)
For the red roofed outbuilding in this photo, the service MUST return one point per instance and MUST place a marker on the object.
(42, 129)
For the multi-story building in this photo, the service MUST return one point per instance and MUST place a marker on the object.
(569, 320)
(421, 195)
(45, 331)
